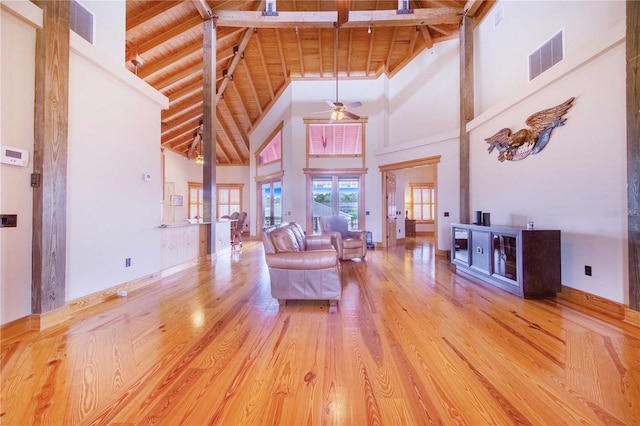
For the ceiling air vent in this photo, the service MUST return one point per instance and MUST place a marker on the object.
(81, 21)
(547, 55)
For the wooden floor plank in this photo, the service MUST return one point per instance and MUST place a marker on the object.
(410, 343)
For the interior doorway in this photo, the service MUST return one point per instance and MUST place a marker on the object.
(391, 170)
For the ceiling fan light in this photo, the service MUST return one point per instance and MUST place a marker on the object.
(334, 115)
(200, 159)
(340, 115)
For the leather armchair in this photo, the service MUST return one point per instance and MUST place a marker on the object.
(350, 244)
(300, 266)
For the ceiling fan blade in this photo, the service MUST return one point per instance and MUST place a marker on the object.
(330, 103)
(351, 115)
(320, 112)
(355, 104)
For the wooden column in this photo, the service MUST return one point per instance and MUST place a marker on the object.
(209, 131)
(466, 111)
(48, 285)
(633, 149)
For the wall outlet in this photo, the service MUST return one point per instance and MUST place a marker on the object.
(587, 270)
(446, 214)
(127, 262)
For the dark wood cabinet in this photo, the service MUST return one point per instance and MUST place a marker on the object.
(409, 228)
(523, 262)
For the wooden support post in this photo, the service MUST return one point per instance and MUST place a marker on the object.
(466, 111)
(48, 284)
(209, 131)
(633, 150)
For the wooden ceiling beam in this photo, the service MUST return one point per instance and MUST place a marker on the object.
(180, 123)
(343, 7)
(320, 62)
(159, 9)
(370, 54)
(234, 63)
(188, 129)
(203, 9)
(241, 102)
(225, 130)
(184, 103)
(393, 41)
(167, 35)
(267, 78)
(441, 30)
(220, 149)
(300, 54)
(349, 50)
(424, 31)
(252, 86)
(322, 19)
(149, 70)
(472, 7)
(172, 79)
(186, 92)
(283, 60)
(171, 141)
(173, 115)
(236, 123)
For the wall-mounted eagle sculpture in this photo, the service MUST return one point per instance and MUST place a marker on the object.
(517, 146)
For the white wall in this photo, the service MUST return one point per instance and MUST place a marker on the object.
(112, 212)
(424, 122)
(180, 170)
(17, 61)
(114, 137)
(578, 182)
(500, 53)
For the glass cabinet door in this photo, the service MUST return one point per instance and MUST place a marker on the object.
(504, 256)
(460, 245)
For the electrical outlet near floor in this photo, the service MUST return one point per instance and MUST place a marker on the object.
(587, 270)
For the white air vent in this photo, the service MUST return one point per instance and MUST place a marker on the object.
(81, 21)
(547, 55)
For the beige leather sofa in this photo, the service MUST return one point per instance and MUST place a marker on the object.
(350, 244)
(300, 266)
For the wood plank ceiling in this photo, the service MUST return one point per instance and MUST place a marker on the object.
(255, 62)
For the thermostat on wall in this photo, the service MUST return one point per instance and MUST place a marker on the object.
(14, 156)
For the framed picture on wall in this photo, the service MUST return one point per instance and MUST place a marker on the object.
(177, 200)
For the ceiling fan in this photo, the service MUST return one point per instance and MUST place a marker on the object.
(338, 109)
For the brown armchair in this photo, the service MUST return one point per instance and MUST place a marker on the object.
(350, 244)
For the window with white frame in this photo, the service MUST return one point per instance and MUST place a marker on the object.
(423, 201)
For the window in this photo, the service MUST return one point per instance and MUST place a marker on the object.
(271, 149)
(423, 201)
(196, 204)
(337, 139)
(81, 21)
(337, 194)
(229, 199)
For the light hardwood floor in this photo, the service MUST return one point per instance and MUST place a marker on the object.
(411, 343)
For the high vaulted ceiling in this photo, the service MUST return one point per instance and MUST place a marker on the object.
(258, 56)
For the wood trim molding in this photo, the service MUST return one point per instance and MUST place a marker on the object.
(272, 176)
(598, 307)
(354, 171)
(39, 322)
(427, 161)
